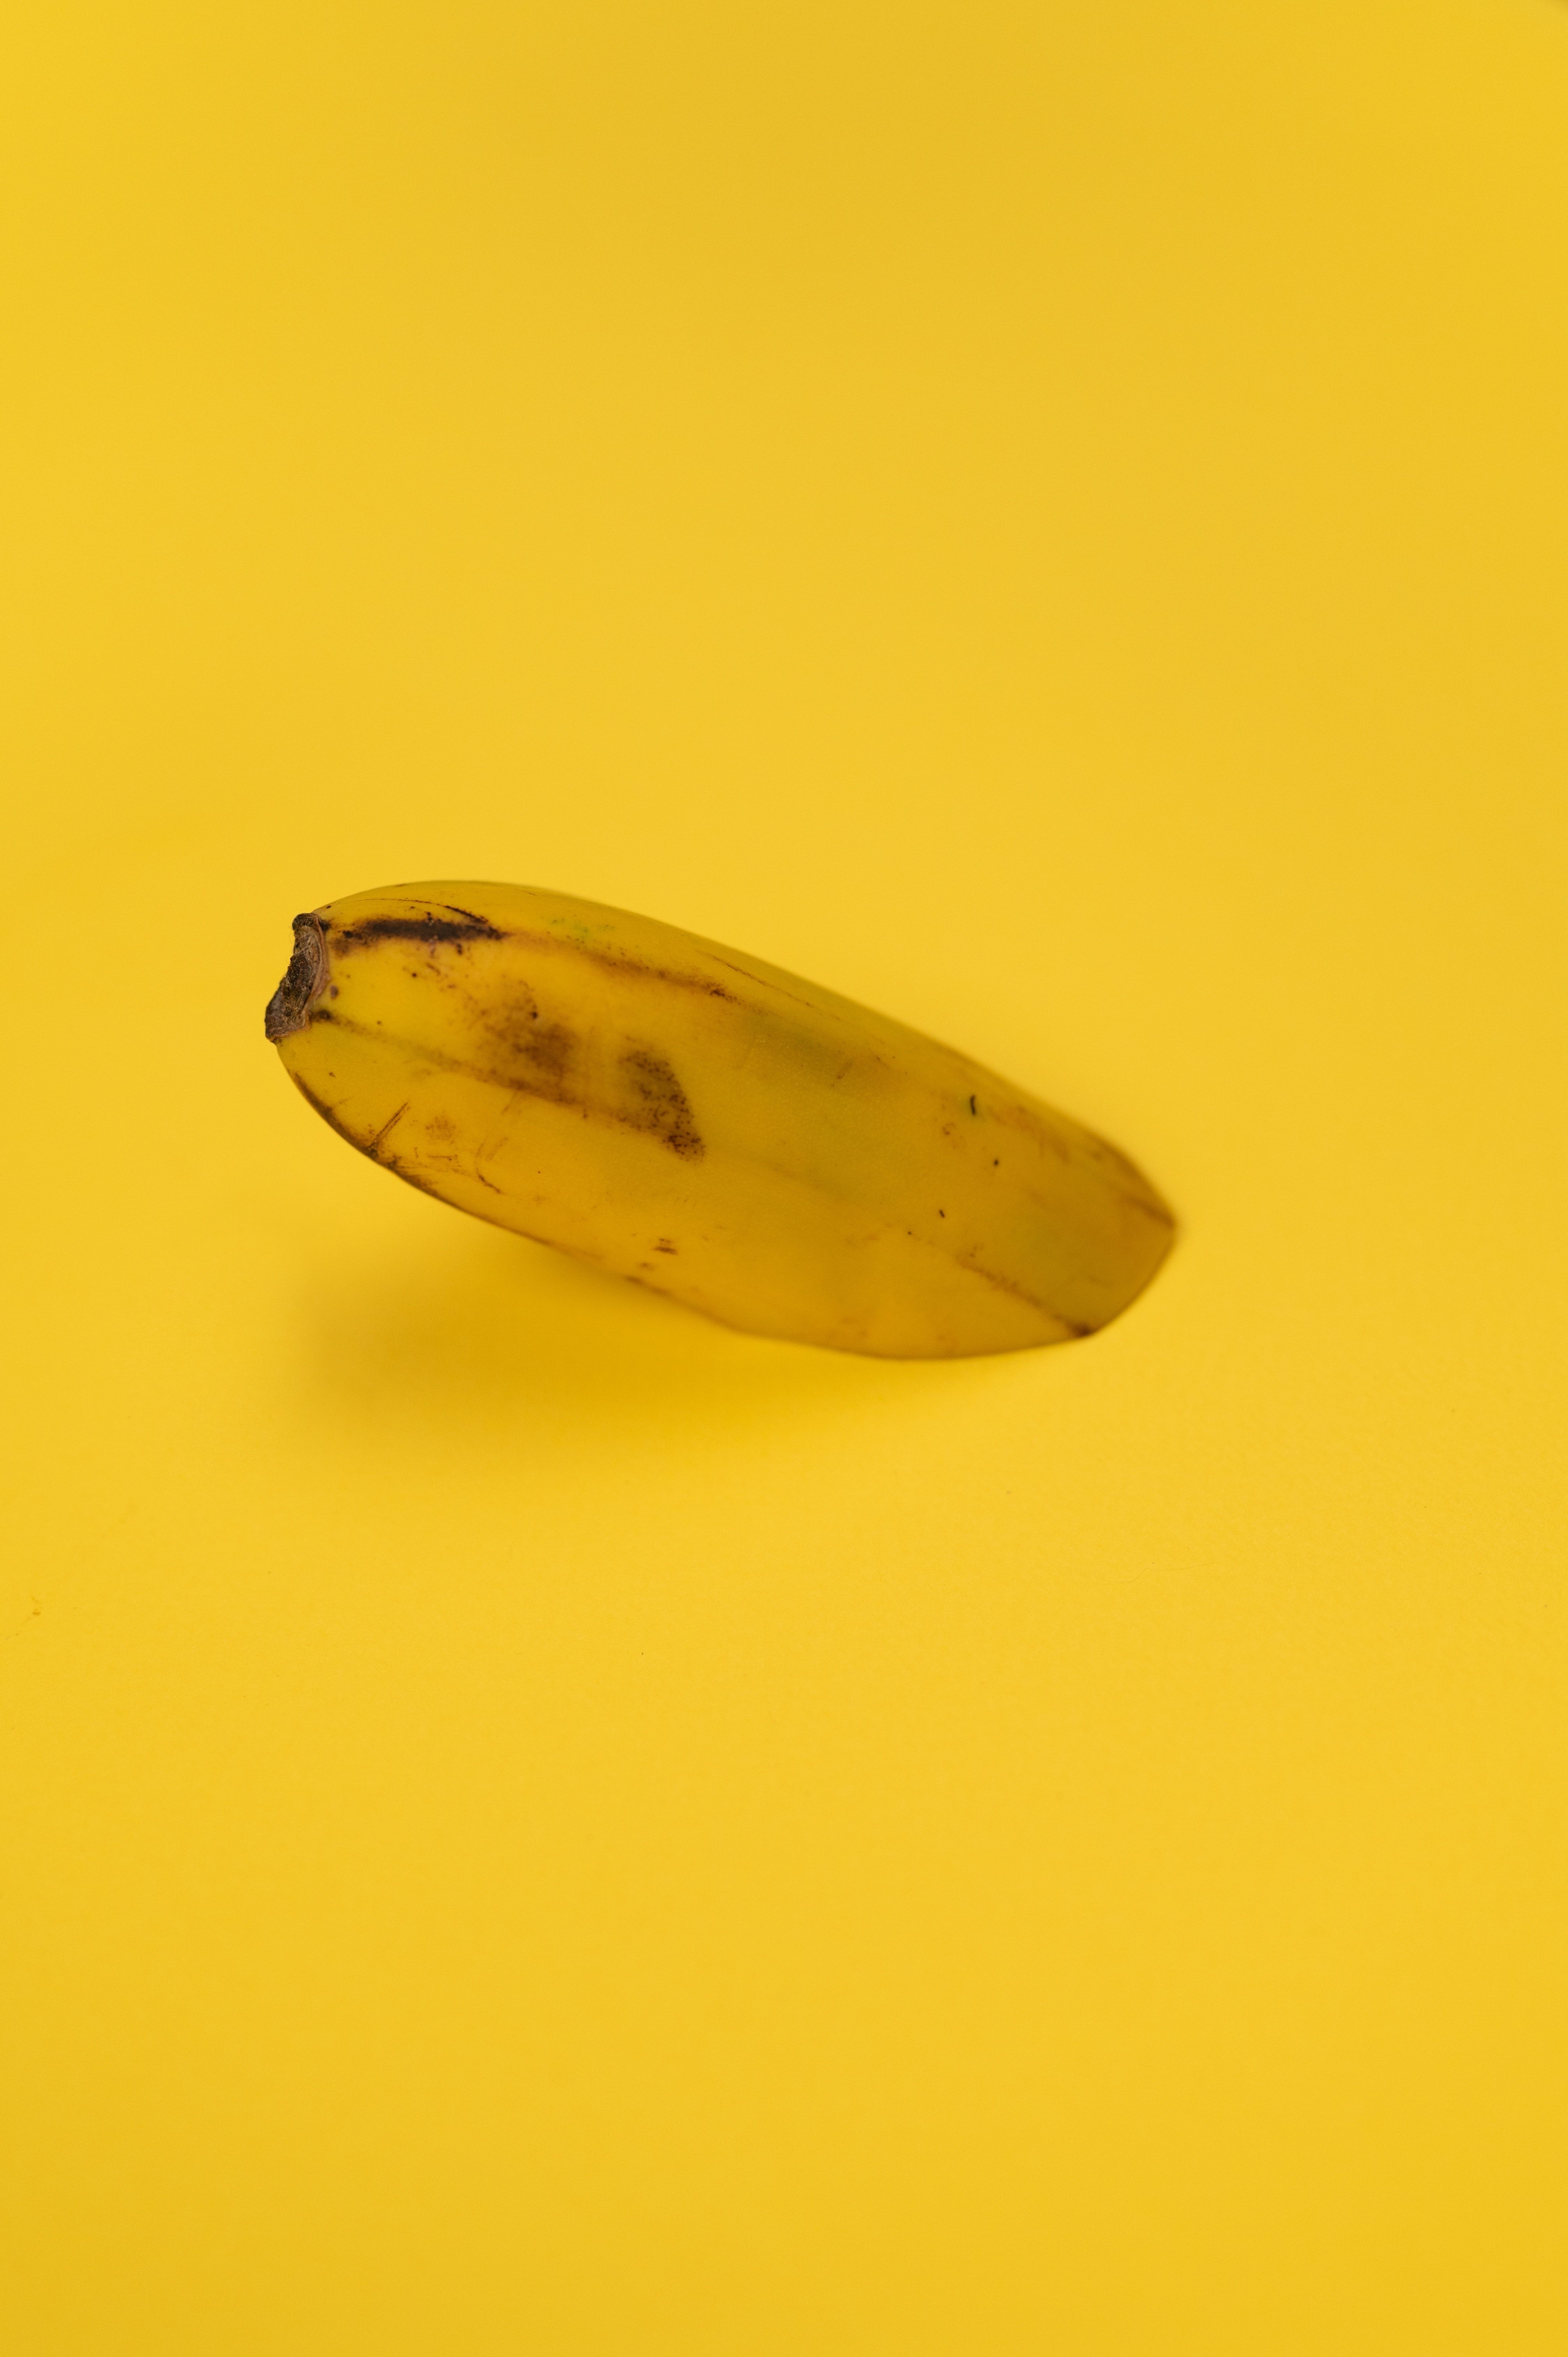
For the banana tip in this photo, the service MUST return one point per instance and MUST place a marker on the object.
(288, 1008)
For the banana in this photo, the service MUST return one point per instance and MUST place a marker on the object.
(689, 1117)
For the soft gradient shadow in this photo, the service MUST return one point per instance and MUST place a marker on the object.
(468, 1327)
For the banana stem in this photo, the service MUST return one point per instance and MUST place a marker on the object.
(288, 1008)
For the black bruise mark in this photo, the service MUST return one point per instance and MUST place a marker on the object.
(664, 1245)
(428, 929)
(659, 1103)
(974, 1108)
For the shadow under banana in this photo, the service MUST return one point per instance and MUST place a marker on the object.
(468, 1332)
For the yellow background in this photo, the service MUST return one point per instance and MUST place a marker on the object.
(535, 1823)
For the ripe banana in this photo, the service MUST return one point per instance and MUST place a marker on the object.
(707, 1124)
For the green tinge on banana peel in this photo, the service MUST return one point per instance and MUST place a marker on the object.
(697, 1121)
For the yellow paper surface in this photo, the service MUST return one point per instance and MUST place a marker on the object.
(535, 1823)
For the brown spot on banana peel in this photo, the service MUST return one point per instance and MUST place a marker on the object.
(655, 1101)
(658, 1102)
(547, 1053)
(550, 1052)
